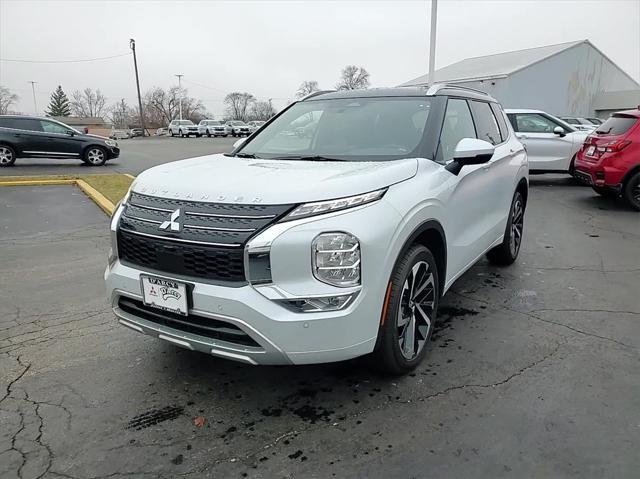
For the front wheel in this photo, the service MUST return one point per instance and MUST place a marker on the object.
(95, 156)
(631, 191)
(208, 134)
(409, 313)
(506, 252)
(7, 156)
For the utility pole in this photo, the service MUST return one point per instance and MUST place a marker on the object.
(180, 97)
(132, 45)
(33, 90)
(432, 41)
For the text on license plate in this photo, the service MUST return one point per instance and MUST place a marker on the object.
(591, 151)
(164, 294)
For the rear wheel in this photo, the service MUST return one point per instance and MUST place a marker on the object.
(171, 133)
(409, 313)
(7, 155)
(506, 252)
(631, 191)
(95, 156)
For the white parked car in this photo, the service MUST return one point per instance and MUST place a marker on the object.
(119, 134)
(255, 124)
(297, 250)
(212, 128)
(238, 128)
(580, 124)
(551, 143)
(183, 128)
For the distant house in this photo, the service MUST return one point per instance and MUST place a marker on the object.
(567, 79)
(93, 125)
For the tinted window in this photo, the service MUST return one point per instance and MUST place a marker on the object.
(458, 124)
(533, 123)
(20, 123)
(369, 129)
(616, 125)
(486, 124)
(8, 123)
(502, 124)
(51, 127)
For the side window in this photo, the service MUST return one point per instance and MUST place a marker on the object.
(486, 123)
(458, 124)
(512, 120)
(502, 124)
(51, 127)
(534, 123)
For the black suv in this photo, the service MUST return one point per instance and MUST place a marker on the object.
(33, 137)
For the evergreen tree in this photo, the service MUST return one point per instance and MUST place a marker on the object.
(59, 105)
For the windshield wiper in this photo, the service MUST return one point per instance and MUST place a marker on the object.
(246, 155)
(307, 158)
(604, 132)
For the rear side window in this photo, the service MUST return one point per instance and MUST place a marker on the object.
(502, 124)
(486, 124)
(20, 123)
(617, 125)
(458, 124)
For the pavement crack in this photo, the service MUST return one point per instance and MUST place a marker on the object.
(16, 379)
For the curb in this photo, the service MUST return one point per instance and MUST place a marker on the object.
(98, 198)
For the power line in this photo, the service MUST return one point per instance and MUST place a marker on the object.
(64, 61)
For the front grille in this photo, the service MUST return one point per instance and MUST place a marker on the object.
(194, 324)
(211, 240)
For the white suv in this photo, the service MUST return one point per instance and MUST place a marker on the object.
(183, 128)
(337, 244)
(212, 128)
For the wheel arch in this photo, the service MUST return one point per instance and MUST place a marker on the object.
(523, 188)
(431, 235)
(632, 171)
(10, 145)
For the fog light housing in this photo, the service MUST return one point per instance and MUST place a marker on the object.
(319, 304)
(336, 259)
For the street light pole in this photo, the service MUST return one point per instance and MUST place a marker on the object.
(132, 45)
(180, 94)
(432, 41)
(33, 90)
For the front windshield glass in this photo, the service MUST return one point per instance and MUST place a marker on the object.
(352, 129)
(236, 123)
(185, 122)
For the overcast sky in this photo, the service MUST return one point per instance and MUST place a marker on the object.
(269, 47)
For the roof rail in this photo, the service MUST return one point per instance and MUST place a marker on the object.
(315, 93)
(436, 87)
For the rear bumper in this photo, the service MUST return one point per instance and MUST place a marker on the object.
(598, 172)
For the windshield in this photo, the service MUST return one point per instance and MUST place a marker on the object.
(185, 122)
(351, 129)
(237, 123)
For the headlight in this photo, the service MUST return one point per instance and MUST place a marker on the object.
(336, 259)
(319, 207)
(111, 143)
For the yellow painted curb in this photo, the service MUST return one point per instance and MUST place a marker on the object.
(130, 176)
(98, 198)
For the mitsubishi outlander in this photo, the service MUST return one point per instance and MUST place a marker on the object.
(298, 249)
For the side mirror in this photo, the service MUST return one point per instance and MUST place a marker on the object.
(470, 151)
(558, 130)
(239, 143)
(71, 133)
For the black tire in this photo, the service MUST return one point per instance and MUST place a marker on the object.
(95, 156)
(225, 135)
(416, 308)
(506, 252)
(171, 133)
(7, 155)
(572, 166)
(198, 135)
(180, 134)
(606, 192)
(631, 191)
(208, 134)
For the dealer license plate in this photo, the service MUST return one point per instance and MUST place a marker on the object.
(164, 294)
(591, 151)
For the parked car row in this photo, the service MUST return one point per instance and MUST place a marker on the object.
(186, 128)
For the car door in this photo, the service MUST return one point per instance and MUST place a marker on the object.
(24, 134)
(547, 151)
(61, 140)
(470, 226)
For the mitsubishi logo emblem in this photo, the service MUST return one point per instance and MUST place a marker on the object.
(173, 223)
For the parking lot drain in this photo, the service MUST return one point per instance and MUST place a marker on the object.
(154, 416)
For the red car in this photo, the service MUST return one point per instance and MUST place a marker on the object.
(609, 159)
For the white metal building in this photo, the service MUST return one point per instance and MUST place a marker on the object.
(567, 79)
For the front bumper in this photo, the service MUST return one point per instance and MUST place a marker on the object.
(113, 152)
(281, 335)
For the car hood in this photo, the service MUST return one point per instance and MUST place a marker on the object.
(224, 179)
(95, 136)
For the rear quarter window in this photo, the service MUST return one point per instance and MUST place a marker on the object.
(617, 125)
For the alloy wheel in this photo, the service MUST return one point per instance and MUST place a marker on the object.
(415, 311)
(517, 225)
(6, 156)
(95, 156)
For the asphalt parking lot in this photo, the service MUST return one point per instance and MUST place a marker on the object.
(533, 370)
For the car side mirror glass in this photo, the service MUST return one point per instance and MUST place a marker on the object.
(470, 151)
(558, 130)
(239, 143)
(71, 133)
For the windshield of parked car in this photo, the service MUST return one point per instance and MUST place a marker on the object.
(616, 125)
(237, 123)
(572, 121)
(348, 129)
(185, 122)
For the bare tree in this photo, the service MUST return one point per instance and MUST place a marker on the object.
(261, 110)
(307, 87)
(161, 106)
(88, 103)
(122, 115)
(353, 78)
(7, 98)
(238, 105)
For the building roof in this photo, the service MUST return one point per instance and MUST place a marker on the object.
(616, 100)
(499, 65)
(80, 121)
